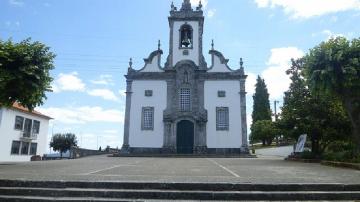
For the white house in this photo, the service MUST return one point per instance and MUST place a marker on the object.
(23, 133)
(186, 106)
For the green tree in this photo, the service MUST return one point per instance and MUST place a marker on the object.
(296, 100)
(63, 142)
(24, 72)
(261, 107)
(333, 68)
(263, 130)
(319, 116)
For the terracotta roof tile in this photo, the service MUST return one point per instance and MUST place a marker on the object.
(19, 107)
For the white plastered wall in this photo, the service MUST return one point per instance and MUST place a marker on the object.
(153, 66)
(9, 134)
(194, 51)
(146, 138)
(217, 66)
(223, 139)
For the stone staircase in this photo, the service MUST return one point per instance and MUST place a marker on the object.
(17, 190)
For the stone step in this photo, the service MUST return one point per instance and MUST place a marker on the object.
(144, 194)
(84, 199)
(181, 186)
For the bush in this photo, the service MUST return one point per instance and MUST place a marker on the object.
(307, 155)
(342, 156)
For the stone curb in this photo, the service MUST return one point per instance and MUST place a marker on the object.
(183, 156)
(303, 160)
(355, 166)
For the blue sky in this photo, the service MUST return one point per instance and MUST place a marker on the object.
(94, 39)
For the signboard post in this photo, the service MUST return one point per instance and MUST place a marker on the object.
(300, 144)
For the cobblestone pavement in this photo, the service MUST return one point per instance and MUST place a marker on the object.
(103, 168)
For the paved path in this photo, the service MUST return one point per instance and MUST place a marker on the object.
(100, 168)
(275, 151)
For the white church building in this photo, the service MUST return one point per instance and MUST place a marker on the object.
(186, 106)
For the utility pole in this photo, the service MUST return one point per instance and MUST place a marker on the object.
(276, 116)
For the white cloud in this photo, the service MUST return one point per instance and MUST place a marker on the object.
(330, 34)
(250, 83)
(103, 93)
(16, 2)
(13, 25)
(196, 3)
(211, 13)
(84, 114)
(310, 8)
(122, 93)
(96, 140)
(68, 82)
(275, 77)
(104, 79)
(111, 131)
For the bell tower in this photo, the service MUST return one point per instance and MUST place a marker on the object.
(186, 30)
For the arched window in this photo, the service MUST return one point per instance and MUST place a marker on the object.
(186, 36)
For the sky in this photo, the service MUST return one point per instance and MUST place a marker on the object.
(94, 39)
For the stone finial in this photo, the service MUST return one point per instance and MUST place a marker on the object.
(200, 6)
(159, 44)
(130, 63)
(173, 8)
(212, 44)
(241, 66)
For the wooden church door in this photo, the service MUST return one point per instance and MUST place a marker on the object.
(185, 137)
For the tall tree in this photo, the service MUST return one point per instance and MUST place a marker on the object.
(63, 142)
(319, 116)
(296, 100)
(264, 129)
(333, 68)
(261, 107)
(24, 72)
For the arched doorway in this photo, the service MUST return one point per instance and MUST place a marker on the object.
(185, 137)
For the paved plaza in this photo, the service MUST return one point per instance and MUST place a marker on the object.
(265, 169)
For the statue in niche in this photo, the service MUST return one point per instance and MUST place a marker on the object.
(186, 77)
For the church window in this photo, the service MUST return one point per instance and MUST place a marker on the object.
(221, 93)
(186, 36)
(185, 99)
(148, 93)
(222, 118)
(147, 121)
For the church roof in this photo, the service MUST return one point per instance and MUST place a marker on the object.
(19, 107)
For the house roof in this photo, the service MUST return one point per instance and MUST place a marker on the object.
(21, 108)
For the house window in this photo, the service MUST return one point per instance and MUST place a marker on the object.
(33, 148)
(27, 128)
(222, 118)
(147, 122)
(36, 127)
(148, 93)
(221, 93)
(19, 122)
(15, 147)
(185, 99)
(25, 148)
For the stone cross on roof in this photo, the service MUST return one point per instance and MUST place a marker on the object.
(186, 6)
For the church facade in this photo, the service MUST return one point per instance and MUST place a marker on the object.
(186, 106)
